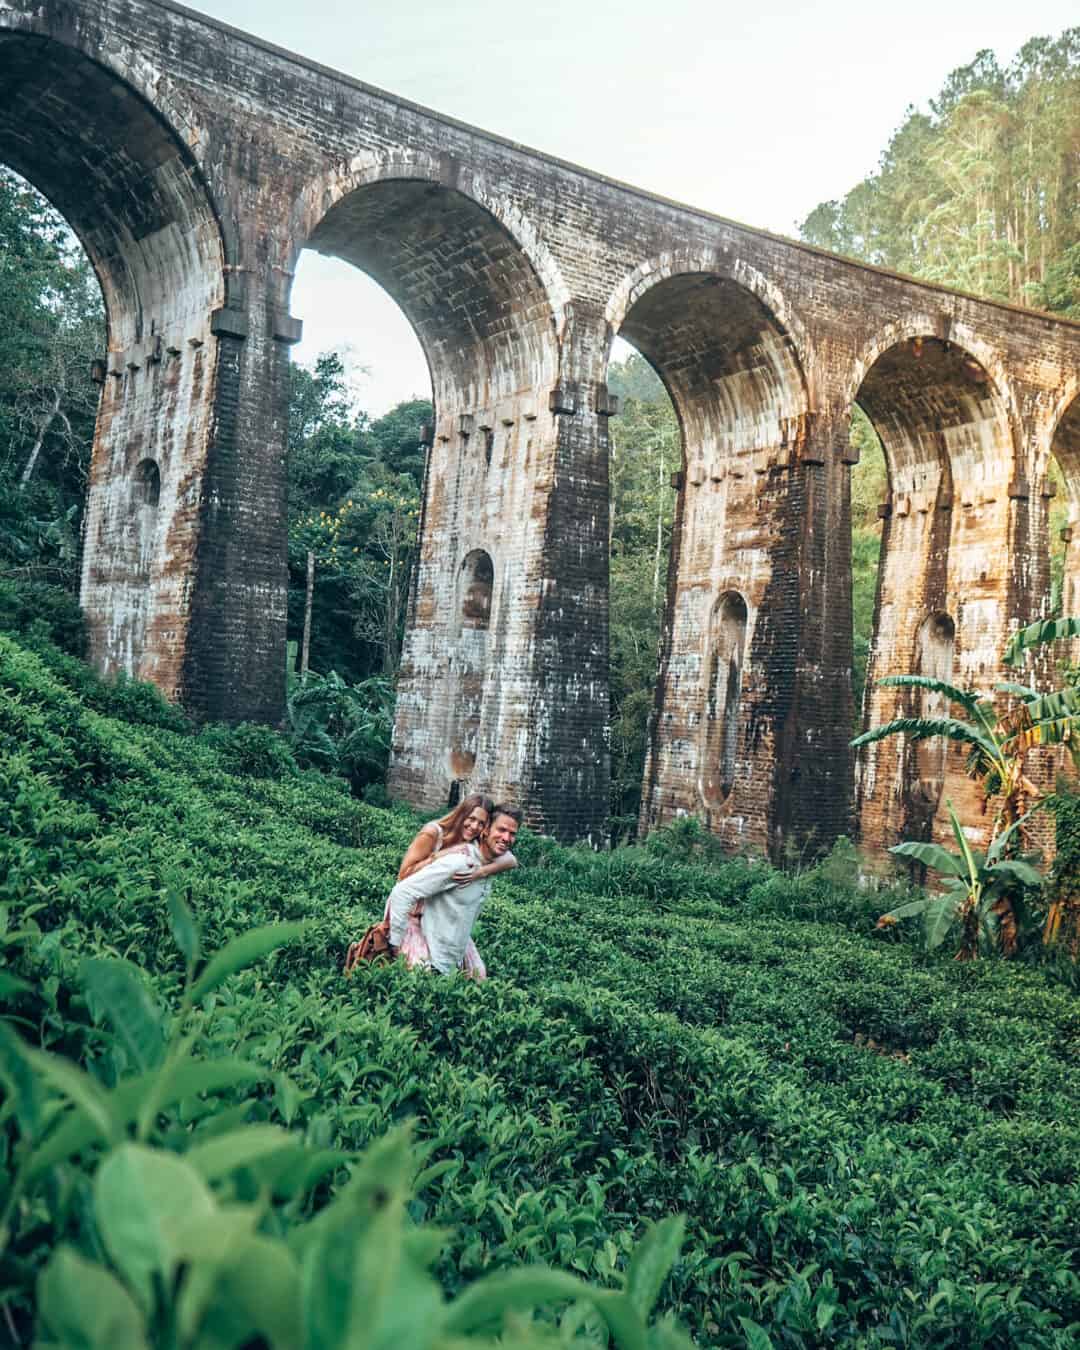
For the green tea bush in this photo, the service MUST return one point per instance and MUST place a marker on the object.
(38, 610)
(253, 750)
(871, 1145)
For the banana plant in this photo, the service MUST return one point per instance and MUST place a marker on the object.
(1000, 728)
(981, 891)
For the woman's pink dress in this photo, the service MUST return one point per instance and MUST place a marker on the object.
(414, 949)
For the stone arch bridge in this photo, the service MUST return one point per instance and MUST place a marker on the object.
(195, 163)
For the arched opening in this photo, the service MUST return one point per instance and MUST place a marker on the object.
(146, 488)
(468, 290)
(478, 577)
(485, 324)
(53, 329)
(130, 189)
(644, 456)
(735, 381)
(1062, 488)
(721, 724)
(869, 493)
(950, 461)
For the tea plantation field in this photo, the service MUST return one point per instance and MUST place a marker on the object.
(870, 1146)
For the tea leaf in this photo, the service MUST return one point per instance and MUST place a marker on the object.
(239, 1148)
(136, 1023)
(243, 951)
(89, 1099)
(18, 1078)
(757, 1338)
(653, 1258)
(488, 1300)
(184, 929)
(142, 1200)
(172, 1082)
(86, 1307)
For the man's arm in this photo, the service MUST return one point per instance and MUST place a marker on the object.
(505, 863)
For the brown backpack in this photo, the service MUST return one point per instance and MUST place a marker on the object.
(373, 946)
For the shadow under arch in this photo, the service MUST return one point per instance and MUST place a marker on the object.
(121, 175)
(468, 286)
(948, 436)
(107, 156)
(1065, 448)
(739, 391)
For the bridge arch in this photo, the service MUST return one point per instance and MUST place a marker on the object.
(485, 300)
(112, 150)
(1063, 443)
(946, 590)
(670, 263)
(738, 384)
(110, 145)
(473, 290)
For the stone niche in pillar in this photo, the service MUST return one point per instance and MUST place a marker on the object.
(145, 495)
(470, 660)
(720, 724)
(934, 659)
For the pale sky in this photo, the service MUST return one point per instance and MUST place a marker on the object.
(756, 110)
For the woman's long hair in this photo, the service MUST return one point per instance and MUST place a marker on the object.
(453, 821)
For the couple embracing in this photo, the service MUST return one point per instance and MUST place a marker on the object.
(444, 879)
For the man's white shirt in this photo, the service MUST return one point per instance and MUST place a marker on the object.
(449, 910)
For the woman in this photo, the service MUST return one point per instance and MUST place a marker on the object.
(466, 822)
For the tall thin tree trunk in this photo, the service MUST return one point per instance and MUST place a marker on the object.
(390, 628)
(659, 527)
(43, 429)
(309, 596)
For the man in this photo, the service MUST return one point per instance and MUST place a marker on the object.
(452, 895)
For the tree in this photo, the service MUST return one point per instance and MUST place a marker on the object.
(51, 327)
(395, 438)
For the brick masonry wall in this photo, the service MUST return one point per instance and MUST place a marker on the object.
(219, 158)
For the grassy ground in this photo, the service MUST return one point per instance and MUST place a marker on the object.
(870, 1146)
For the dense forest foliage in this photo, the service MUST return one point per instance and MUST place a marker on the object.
(979, 191)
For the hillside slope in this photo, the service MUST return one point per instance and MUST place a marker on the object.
(870, 1146)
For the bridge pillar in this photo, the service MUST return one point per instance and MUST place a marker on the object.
(750, 726)
(183, 579)
(503, 680)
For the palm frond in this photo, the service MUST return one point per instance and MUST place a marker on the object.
(1019, 870)
(1037, 634)
(967, 698)
(922, 728)
(1023, 691)
(1053, 731)
(1058, 703)
(932, 855)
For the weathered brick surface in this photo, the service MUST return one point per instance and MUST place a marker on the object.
(196, 163)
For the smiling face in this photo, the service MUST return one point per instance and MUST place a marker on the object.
(474, 824)
(501, 834)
